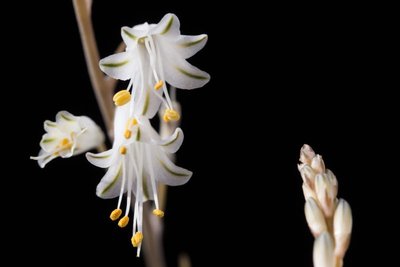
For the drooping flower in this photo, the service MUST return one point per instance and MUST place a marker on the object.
(69, 135)
(155, 55)
(136, 163)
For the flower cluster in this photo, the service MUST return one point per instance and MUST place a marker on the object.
(329, 219)
(139, 159)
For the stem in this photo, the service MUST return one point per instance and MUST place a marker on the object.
(102, 92)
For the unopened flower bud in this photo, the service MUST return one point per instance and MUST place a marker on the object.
(315, 217)
(323, 254)
(342, 224)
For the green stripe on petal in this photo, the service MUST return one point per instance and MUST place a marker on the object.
(115, 65)
(191, 75)
(169, 24)
(66, 117)
(146, 103)
(172, 141)
(171, 171)
(49, 140)
(50, 124)
(130, 35)
(145, 188)
(189, 44)
(115, 179)
(100, 157)
(138, 134)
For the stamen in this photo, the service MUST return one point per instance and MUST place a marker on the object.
(128, 134)
(158, 85)
(137, 239)
(115, 214)
(153, 182)
(65, 144)
(123, 222)
(122, 97)
(122, 150)
(159, 213)
(171, 115)
(160, 67)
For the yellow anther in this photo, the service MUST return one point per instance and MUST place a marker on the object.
(158, 85)
(137, 239)
(122, 150)
(130, 123)
(142, 40)
(65, 144)
(171, 115)
(122, 97)
(158, 213)
(123, 222)
(115, 214)
(127, 134)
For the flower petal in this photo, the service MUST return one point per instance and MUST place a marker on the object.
(92, 136)
(168, 26)
(67, 123)
(44, 157)
(51, 127)
(167, 172)
(181, 74)
(146, 132)
(131, 35)
(120, 66)
(147, 188)
(101, 160)
(110, 184)
(120, 118)
(67, 153)
(149, 103)
(49, 143)
(190, 45)
(173, 142)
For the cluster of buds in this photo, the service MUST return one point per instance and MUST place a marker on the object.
(329, 218)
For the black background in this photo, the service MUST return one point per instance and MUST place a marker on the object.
(281, 76)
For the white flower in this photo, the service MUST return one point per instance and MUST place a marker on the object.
(137, 161)
(69, 135)
(156, 54)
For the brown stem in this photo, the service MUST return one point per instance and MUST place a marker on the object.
(102, 92)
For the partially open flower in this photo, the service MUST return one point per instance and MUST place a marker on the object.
(69, 135)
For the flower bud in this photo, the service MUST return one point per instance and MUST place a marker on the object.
(315, 217)
(342, 224)
(306, 154)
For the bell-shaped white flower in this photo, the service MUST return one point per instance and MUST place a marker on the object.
(69, 135)
(137, 162)
(155, 55)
